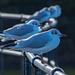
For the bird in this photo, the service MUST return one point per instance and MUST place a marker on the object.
(55, 11)
(42, 15)
(20, 31)
(39, 43)
(46, 13)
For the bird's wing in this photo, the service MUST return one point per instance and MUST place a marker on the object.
(36, 41)
(19, 30)
(12, 29)
(40, 15)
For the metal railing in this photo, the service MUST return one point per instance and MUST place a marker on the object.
(14, 16)
(20, 16)
(49, 70)
(44, 67)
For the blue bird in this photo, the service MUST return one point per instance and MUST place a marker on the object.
(21, 31)
(39, 43)
(46, 13)
(55, 11)
(42, 15)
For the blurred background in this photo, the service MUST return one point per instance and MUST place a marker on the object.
(66, 24)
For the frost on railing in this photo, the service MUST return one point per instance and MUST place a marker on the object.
(44, 67)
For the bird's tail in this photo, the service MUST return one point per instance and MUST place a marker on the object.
(8, 46)
(4, 37)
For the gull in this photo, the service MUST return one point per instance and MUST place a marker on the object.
(55, 11)
(46, 13)
(39, 43)
(48, 26)
(42, 15)
(21, 31)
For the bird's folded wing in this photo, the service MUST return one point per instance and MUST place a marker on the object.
(36, 41)
(2, 35)
(12, 29)
(39, 16)
(19, 30)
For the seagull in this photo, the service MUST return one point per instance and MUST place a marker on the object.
(39, 43)
(21, 31)
(55, 11)
(42, 15)
(46, 13)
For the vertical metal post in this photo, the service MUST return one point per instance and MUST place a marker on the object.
(28, 67)
(1, 25)
(22, 65)
(37, 71)
(42, 73)
(2, 64)
(25, 66)
(2, 55)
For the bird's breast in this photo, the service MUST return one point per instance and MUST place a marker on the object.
(36, 29)
(51, 45)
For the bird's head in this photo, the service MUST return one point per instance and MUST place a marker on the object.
(34, 22)
(51, 9)
(55, 11)
(56, 32)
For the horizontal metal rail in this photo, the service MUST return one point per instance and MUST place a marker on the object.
(20, 16)
(45, 67)
(13, 16)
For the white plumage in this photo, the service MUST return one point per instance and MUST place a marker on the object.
(39, 43)
(21, 31)
(55, 11)
(46, 13)
(42, 15)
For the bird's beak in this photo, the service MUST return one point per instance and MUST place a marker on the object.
(63, 35)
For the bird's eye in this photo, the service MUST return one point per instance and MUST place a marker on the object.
(52, 32)
(56, 33)
(35, 23)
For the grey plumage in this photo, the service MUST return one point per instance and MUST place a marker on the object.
(35, 42)
(19, 30)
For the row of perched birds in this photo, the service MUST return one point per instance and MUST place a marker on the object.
(27, 36)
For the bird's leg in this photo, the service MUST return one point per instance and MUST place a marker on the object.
(41, 59)
(49, 22)
(41, 26)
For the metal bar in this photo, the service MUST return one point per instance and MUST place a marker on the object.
(37, 71)
(28, 67)
(11, 52)
(13, 16)
(1, 24)
(44, 67)
(21, 16)
(21, 61)
(2, 64)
